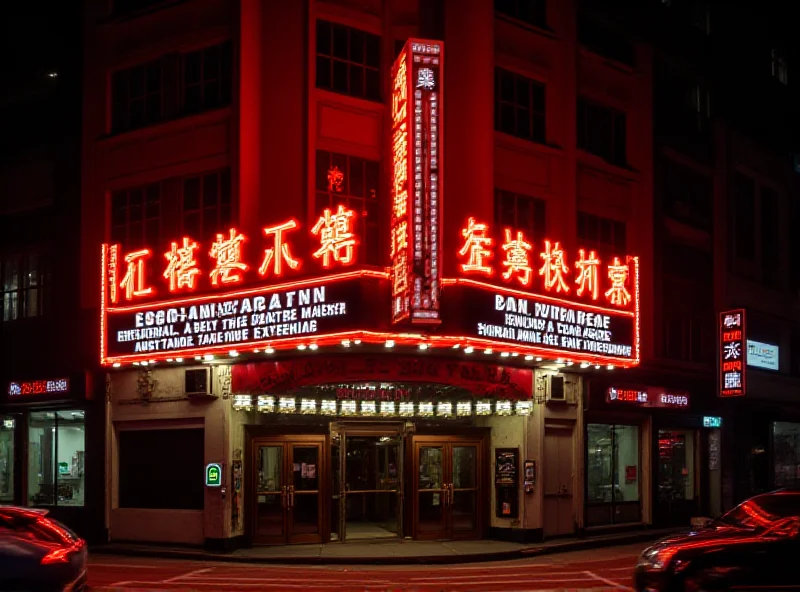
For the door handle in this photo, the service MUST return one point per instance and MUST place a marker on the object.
(450, 490)
(283, 497)
(291, 496)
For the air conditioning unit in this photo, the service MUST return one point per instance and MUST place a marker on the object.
(197, 382)
(555, 389)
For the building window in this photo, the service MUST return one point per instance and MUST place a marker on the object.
(603, 235)
(688, 194)
(175, 455)
(7, 431)
(352, 182)
(744, 214)
(520, 212)
(348, 61)
(597, 38)
(25, 279)
(136, 216)
(206, 78)
(612, 474)
(56, 451)
(207, 204)
(780, 67)
(137, 97)
(602, 131)
(519, 106)
(530, 12)
(770, 238)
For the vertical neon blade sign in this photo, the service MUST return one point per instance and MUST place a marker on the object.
(416, 181)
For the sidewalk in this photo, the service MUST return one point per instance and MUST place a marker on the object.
(386, 552)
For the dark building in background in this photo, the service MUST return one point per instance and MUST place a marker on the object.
(51, 438)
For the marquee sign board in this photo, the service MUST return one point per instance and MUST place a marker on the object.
(732, 353)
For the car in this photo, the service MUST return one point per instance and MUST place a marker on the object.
(756, 545)
(38, 553)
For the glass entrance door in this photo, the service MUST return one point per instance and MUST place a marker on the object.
(612, 474)
(677, 481)
(372, 485)
(447, 488)
(287, 504)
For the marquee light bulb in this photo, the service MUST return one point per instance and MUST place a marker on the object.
(538, 359)
(233, 353)
(301, 347)
(117, 364)
(313, 346)
(528, 358)
(469, 349)
(208, 357)
(584, 365)
(269, 350)
(423, 346)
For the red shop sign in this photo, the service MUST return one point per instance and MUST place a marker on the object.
(490, 380)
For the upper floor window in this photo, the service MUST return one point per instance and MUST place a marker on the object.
(603, 235)
(24, 281)
(348, 61)
(531, 12)
(603, 41)
(520, 212)
(770, 238)
(352, 182)
(780, 66)
(206, 78)
(687, 194)
(137, 96)
(136, 216)
(207, 204)
(744, 215)
(519, 106)
(602, 131)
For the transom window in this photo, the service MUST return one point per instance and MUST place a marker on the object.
(207, 204)
(348, 61)
(519, 106)
(352, 182)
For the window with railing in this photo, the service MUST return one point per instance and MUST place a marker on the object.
(519, 106)
(354, 183)
(348, 61)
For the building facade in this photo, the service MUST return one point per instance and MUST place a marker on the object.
(396, 270)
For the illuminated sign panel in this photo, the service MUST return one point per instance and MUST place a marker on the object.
(39, 387)
(417, 113)
(710, 421)
(245, 318)
(763, 355)
(648, 397)
(732, 353)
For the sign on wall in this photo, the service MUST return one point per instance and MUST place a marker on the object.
(648, 397)
(38, 387)
(732, 353)
(213, 475)
(417, 114)
(763, 355)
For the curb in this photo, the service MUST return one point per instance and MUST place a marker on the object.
(522, 553)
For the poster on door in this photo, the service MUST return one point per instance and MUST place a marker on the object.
(505, 466)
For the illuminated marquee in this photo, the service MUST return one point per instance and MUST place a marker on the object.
(39, 387)
(732, 353)
(648, 397)
(416, 181)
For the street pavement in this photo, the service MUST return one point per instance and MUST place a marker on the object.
(608, 568)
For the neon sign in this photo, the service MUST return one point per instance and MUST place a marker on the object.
(648, 397)
(39, 387)
(732, 353)
(477, 252)
(417, 107)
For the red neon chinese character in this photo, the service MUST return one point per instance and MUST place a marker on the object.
(518, 260)
(335, 236)
(587, 276)
(133, 282)
(182, 268)
(280, 246)
(618, 274)
(335, 180)
(476, 243)
(554, 267)
(228, 254)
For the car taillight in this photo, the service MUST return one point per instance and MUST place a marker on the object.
(58, 555)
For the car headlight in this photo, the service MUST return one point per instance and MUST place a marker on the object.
(656, 558)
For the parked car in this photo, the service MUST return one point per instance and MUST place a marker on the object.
(756, 545)
(38, 553)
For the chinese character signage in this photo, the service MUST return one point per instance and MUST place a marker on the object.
(213, 475)
(648, 397)
(416, 190)
(39, 387)
(732, 353)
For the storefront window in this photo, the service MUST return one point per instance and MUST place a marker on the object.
(7, 460)
(612, 459)
(786, 444)
(56, 449)
(676, 465)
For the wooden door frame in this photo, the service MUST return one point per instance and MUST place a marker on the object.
(260, 437)
(448, 440)
(323, 496)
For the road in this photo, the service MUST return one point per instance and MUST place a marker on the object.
(598, 569)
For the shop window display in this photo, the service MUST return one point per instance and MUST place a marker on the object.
(56, 450)
(676, 480)
(786, 446)
(7, 460)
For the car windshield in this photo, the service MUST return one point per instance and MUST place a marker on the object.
(763, 511)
